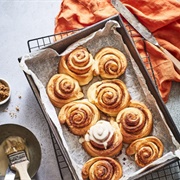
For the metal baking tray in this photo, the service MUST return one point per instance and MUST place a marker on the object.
(61, 45)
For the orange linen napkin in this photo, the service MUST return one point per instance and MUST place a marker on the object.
(162, 18)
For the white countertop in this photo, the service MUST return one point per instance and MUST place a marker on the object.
(21, 21)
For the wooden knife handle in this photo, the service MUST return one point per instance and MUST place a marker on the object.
(22, 169)
(175, 61)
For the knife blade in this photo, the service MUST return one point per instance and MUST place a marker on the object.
(143, 31)
(10, 174)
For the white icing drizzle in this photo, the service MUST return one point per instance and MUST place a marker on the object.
(101, 133)
(81, 140)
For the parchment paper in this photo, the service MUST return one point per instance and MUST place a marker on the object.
(42, 65)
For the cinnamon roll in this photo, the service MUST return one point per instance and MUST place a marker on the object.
(79, 116)
(135, 121)
(111, 63)
(62, 89)
(104, 168)
(78, 64)
(110, 96)
(146, 150)
(103, 139)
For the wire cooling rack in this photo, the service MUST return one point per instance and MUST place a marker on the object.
(145, 58)
(168, 172)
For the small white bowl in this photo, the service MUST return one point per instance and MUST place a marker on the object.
(3, 81)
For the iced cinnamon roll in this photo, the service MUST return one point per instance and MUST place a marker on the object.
(110, 96)
(103, 139)
(79, 116)
(110, 63)
(135, 121)
(62, 89)
(146, 150)
(78, 64)
(104, 168)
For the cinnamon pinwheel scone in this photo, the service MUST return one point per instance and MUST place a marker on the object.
(62, 89)
(110, 96)
(104, 168)
(135, 121)
(103, 139)
(79, 116)
(78, 64)
(146, 150)
(110, 63)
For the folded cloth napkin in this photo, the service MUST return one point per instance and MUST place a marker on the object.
(162, 18)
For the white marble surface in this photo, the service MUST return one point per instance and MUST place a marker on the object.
(20, 21)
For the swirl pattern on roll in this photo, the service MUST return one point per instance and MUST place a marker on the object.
(103, 139)
(79, 116)
(103, 168)
(135, 121)
(62, 89)
(110, 96)
(110, 63)
(78, 64)
(146, 150)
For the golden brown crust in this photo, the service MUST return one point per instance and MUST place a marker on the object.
(135, 121)
(78, 64)
(110, 96)
(146, 150)
(103, 139)
(79, 116)
(104, 168)
(110, 63)
(62, 89)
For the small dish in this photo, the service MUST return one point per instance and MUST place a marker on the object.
(5, 91)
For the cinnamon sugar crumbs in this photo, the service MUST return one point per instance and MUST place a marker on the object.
(17, 108)
(4, 91)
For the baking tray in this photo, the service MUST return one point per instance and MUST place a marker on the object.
(60, 46)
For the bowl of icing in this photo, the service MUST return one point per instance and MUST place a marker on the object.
(17, 133)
